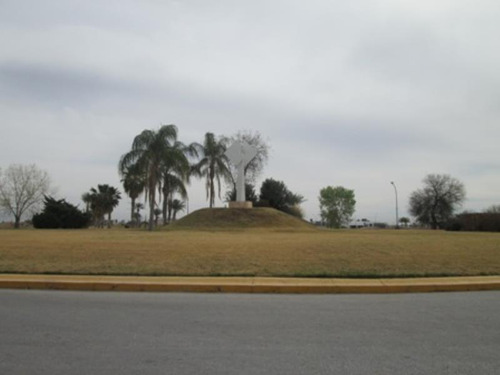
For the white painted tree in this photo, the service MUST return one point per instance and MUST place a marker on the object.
(240, 154)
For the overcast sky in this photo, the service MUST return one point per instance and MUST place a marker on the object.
(352, 93)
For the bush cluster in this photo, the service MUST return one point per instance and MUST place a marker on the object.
(60, 214)
(275, 194)
(475, 222)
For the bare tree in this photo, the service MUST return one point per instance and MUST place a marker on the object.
(22, 188)
(435, 203)
(254, 168)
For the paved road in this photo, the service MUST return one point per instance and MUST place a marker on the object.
(49, 332)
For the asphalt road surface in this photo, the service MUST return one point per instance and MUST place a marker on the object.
(54, 332)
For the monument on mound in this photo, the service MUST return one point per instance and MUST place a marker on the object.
(240, 154)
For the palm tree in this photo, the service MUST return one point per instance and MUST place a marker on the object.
(96, 206)
(112, 198)
(133, 184)
(87, 199)
(213, 165)
(157, 213)
(177, 205)
(176, 173)
(102, 201)
(405, 221)
(172, 185)
(149, 154)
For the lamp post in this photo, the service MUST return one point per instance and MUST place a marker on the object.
(396, 193)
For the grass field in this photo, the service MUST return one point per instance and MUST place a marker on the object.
(305, 252)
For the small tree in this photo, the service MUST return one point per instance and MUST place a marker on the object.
(102, 202)
(405, 221)
(275, 194)
(133, 183)
(177, 206)
(337, 206)
(435, 203)
(22, 189)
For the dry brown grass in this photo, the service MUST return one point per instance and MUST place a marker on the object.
(346, 253)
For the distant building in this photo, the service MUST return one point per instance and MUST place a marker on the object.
(360, 223)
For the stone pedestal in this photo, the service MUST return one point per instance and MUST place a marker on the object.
(246, 204)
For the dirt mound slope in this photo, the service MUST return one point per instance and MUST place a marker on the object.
(235, 219)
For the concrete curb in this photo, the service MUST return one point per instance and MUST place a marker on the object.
(248, 284)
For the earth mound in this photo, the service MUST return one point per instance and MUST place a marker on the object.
(234, 218)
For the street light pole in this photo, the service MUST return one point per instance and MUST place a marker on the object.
(396, 193)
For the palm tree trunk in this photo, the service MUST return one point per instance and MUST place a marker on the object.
(151, 210)
(165, 204)
(109, 220)
(212, 193)
(212, 189)
(132, 210)
(170, 207)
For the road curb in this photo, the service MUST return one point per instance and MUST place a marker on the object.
(247, 284)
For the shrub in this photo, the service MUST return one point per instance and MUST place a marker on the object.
(60, 214)
(275, 194)
(475, 222)
(295, 211)
(250, 195)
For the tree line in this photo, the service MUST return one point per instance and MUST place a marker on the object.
(433, 205)
(159, 167)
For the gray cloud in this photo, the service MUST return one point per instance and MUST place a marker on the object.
(356, 93)
(54, 84)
